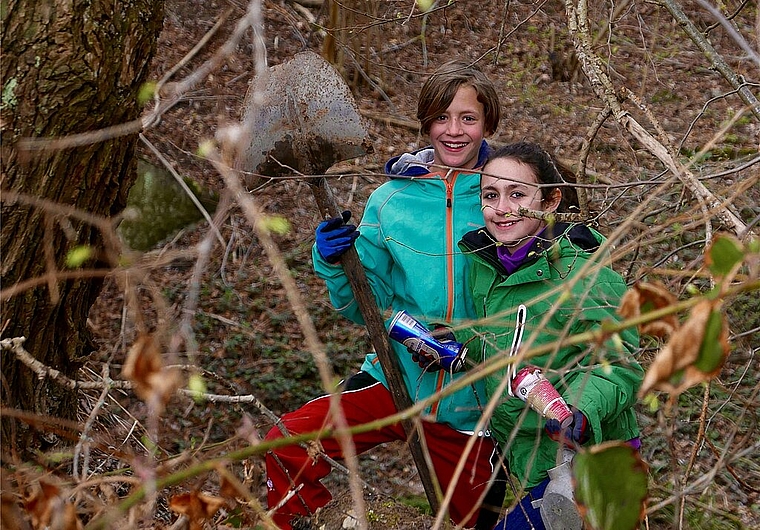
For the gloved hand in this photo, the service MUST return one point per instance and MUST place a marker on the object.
(574, 430)
(335, 237)
(426, 361)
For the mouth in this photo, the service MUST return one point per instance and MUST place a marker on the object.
(455, 145)
(505, 225)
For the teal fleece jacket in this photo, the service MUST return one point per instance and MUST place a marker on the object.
(599, 379)
(408, 247)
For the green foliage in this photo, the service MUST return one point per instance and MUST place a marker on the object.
(417, 501)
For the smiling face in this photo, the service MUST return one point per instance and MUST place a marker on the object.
(514, 185)
(456, 134)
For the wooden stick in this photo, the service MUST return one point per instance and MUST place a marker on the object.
(378, 335)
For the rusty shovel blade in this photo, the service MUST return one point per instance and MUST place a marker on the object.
(301, 117)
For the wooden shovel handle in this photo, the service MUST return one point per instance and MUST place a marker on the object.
(378, 335)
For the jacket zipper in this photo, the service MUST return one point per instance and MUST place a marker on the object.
(450, 180)
(449, 183)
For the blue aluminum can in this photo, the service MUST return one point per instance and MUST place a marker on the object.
(405, 329)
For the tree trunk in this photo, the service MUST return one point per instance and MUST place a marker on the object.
(67, 68)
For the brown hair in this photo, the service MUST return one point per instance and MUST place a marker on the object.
(547, 170)
(440, 88)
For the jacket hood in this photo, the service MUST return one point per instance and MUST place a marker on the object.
(416, 163)
(482, 243)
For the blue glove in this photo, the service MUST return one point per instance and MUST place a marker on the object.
(574, 431)
(335, 237)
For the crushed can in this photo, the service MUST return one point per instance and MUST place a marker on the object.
(407, 330)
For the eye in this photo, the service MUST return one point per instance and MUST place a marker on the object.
(517, 195)
(490, 196)
(442, 117)
(469, 118)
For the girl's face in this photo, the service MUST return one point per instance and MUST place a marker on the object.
(456, 135)
(502, 196)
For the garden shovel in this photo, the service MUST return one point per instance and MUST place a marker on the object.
(304, 119)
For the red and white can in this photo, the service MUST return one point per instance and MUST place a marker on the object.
(531, 386)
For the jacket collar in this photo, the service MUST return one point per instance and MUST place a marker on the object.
(416, 163)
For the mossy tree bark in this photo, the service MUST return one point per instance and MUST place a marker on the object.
(67, 68)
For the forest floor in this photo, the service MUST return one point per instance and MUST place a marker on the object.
(249, 342)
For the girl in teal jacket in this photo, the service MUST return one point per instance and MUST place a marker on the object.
(548, 281)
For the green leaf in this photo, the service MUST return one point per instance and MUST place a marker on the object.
(724, 253)
(197, 387)
(78, 255)
(610, 486)
(146, 92)
(711, 351)
(277, 224)
(424, 5)
(754, 245)
(652, 403)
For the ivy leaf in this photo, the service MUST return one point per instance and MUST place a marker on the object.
(610, 486)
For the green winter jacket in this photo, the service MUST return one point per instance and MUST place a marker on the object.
(599, 379)
(408, 247)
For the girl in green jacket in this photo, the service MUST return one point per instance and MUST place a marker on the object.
(535, 284)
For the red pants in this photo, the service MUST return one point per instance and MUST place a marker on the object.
(360, 406)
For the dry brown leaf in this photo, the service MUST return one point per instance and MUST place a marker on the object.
(196, 506)
(40, 502)
(230, 487)
(66, 519)
(10, 513)
(314, 449)
(682, 351)
(648, 296)
(145, 368)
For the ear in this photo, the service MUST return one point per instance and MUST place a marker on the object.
(552, 202)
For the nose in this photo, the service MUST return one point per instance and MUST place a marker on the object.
(503, 208)
(455, 127)
(506, 206)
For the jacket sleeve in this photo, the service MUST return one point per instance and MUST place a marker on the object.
(610, 386)
(376, 260)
